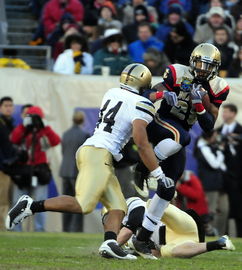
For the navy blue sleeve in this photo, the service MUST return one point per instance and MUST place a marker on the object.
(206, 121)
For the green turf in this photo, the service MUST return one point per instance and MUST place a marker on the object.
(61, 251)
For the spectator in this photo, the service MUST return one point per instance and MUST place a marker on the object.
(112, 55)
(235, 70)
(67, 27)
(128, 12)
(6, 152)
(156, 61)
(210, 170)
(190, 188)
(107, 15)
(227, 48)
(166, 4)
(75, 59)
(238, 32)
(91, 32)
(229, 19)
(37, 138)
(231, 132)
(215, 19)
(179, 45)
(10, 59)
(54, 10)
(236, 10)
(174, 16)
(146, 40)
(190, 195)
(130, 30)
(72, 139)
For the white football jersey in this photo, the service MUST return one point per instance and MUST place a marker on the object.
(118, 111)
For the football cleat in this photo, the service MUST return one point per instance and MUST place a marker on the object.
(142, 248)
(110, 249)
(226, 243)
(19, 212)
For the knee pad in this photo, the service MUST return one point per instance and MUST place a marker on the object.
(166, 148)
(164, 191)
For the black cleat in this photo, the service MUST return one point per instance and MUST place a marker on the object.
(110, 249)
(142, 248)
(19, 212)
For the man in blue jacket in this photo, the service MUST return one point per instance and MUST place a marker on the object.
(146, 40)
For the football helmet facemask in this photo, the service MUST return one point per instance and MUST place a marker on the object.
(205, 61)
(135, 78)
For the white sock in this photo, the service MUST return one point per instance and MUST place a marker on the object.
(154, 213)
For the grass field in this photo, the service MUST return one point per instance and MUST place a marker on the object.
(62, 251)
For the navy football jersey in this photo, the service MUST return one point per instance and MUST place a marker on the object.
(178, 78)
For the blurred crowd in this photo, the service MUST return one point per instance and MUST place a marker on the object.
(214, 191)
(86, 36)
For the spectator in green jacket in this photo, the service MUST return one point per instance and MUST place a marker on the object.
(112, 54)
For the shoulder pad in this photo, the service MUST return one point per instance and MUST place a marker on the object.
(218, 86)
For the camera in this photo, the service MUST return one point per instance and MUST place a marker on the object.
(33, 121)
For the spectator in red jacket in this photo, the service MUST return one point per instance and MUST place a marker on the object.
(191, 188)
(55, 9)
(191, 196)
(33, 135)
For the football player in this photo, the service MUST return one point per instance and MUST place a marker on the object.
(178, 234)
(190, 93)
(124, 112)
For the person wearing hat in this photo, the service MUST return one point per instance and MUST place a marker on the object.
(215, 19)
(179, 45)
(128, 11)
(174, 16)
(54, 10)
(112, 54)
(146, 40)
(37, 138)
(107, 15)
(156, 61)
(72, 139)
(75, 59)
(130, 30)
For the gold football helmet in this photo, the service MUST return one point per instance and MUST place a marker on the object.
(205, 61)
(136, 78)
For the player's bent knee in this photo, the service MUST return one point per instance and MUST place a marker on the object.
(166, 148)
(87, 207)
(165, 193)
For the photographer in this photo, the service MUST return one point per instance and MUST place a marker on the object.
(37, 138)
(231, 134)
(210, 170)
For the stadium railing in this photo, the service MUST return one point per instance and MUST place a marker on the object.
(37, 57)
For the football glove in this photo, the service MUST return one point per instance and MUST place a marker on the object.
(171, 98)
(197, 93)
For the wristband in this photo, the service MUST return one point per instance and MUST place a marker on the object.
(199, 108)
(159, 95)
(156, 172)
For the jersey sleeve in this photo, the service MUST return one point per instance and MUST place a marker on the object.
(169, 78)
(144, 110)
(219, 92)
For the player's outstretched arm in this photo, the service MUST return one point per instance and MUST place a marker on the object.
(145, 149)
